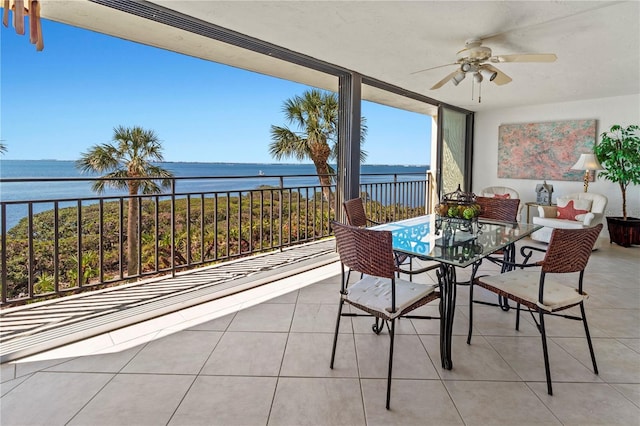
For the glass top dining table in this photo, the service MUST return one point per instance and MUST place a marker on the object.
(454, 243)
(420, 236)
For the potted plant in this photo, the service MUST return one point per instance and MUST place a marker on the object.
(619, 154)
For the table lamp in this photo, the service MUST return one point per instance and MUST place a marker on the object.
(587, 162)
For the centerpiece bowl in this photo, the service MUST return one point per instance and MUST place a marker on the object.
(458, 210)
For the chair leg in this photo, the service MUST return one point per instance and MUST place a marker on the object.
(392, 336)
(411, 269)
(518, 317)
(470, 312)
(504, 303)
(335, 337)
(586, 330)
(378, 325)
(546, 353)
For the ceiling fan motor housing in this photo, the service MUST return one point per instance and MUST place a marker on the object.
(475, 54)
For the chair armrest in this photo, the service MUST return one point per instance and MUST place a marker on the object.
(513, 265)
(589, 219)
(418, 271)
(527, 252)
(373, 222)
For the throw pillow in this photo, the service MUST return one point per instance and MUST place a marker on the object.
(580, 204)
(569, 212)
(550, 211)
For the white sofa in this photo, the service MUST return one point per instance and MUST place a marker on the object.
(595, 204)
(491, 191)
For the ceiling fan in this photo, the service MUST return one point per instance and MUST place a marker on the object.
(476, 59)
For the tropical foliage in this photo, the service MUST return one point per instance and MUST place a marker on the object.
(205, 230)
(619, 153)
(314, 115)
(125, 161)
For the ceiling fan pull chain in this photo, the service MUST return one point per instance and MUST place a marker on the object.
(473, 85)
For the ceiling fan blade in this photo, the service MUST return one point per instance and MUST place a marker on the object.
(501, 78)
(433, 68)
(525, 57)
(443, 81)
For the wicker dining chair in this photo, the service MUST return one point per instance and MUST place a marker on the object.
(356, 216)
(501, 192)
(542, 291)
(378, 293)
(504, 209)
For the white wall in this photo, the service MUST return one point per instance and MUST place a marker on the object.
(623, 110)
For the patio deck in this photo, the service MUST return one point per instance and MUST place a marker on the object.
(33, 328)
(218, 363)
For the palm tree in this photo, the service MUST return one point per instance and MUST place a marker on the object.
(315, 114)
(3, 148)
(128, 156)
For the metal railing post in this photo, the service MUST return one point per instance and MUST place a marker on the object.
(280, 201)
(173, 227)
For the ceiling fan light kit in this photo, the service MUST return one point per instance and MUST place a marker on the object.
(458, 77)
(491, 75)
(473, 59)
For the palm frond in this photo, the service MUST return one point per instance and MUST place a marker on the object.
(286, 144)
(129, 155)
(314, 115)
(99, 158)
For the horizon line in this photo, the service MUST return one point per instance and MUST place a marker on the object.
(225, 162)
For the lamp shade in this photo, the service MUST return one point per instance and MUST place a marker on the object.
(587, 162)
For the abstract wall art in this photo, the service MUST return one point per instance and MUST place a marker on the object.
(544, 150)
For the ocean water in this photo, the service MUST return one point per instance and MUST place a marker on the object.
(223, 177)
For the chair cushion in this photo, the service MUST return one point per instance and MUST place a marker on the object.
(375, 293)
(557, 223)
(524, 284)
(570, 211)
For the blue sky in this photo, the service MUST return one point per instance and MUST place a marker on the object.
(57, 103)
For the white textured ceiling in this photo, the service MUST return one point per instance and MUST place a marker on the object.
(597, 43)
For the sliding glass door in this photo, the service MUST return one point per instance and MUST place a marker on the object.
(455, 141)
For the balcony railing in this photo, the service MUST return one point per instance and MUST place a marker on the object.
(66, 245)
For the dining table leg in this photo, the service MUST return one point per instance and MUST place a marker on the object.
(509, 256)
(447, 280)
(448, 284)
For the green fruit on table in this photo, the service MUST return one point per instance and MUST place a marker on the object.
(453, 211)
(468, 213)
